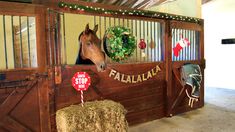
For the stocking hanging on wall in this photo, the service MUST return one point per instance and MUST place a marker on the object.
(183, 42)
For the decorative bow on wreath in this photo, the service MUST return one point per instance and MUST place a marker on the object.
(191, 75)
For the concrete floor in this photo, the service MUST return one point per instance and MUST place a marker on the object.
(218, 115)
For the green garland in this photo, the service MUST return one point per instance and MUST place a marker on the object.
(142, 13)
(119, 43)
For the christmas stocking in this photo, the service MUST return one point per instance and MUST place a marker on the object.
(180, 45)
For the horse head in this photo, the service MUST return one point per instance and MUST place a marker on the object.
(90, 49)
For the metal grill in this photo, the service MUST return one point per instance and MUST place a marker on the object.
(150, 31)
(190, 52)
(17, 42)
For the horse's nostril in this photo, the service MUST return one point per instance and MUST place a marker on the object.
(102, 66)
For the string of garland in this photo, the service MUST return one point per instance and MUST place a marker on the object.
(119, 43)
(152, 14)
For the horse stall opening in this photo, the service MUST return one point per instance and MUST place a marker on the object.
(156, 94)
(146, 99)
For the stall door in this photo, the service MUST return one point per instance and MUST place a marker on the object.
(187, 47)
(23, 78)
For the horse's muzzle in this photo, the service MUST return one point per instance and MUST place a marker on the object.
(101, 67)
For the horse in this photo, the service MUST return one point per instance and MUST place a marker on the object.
(90, 49)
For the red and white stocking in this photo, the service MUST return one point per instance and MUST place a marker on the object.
(180, 45)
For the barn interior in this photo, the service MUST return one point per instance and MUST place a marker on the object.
(40, 44)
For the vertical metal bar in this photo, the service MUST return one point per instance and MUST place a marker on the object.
(155, 40)
(159, 41)
(29, 55)
(21, 47)
(100, 26)
(65, 49)
(119, 21)
(194, 46)
(151, 39)
(191, 45)
(183, 50)
(109, 21)
(13, 40)
(136, 40)
(173, 41)
(197, 45)
(144, 58)
(123, 22)
(140, 38)
(163, 47)
(5, 43)
(189, 38)
(147, 46)
(56, 51)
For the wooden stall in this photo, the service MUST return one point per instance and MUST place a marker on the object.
(37, 63)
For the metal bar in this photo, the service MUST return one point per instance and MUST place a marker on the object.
(155, 38)
(159, 42)
(49, 36)
(197, 45)
(100, 26)
(29, 55)
(183, 50)
(21, 48)
(123, 22)
(140, 38)
(136, 40)
(147, 46)
(189, 51)
(162, 42)
(65, 51)
(194, 45)
(119, 21)
(152, 41)
(13, 40)
(56, 52)
(5, 43)
(109, 21)
(144, 58)
(173, 42)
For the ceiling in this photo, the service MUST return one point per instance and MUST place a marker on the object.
(138, 4)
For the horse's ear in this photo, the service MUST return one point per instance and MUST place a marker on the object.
(87, 29)
(95, 28)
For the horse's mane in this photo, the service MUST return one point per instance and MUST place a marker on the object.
(79, 58)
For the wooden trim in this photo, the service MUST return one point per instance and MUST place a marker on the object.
(43, 95)
(186, 25)
(41, 39)
(13, 8)
(168, 60)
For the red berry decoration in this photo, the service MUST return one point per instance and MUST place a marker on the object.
(142, 44)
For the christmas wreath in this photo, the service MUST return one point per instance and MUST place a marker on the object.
(119, 43)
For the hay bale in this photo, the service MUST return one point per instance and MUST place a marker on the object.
(96, 116)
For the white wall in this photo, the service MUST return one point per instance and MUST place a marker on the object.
(180, 7)
(219, 17)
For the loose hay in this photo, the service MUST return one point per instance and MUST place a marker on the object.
(97, 116)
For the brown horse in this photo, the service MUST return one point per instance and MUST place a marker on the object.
(90, 49)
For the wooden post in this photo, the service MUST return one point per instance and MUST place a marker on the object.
(168, 61)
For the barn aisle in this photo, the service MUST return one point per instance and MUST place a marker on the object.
(218, 115)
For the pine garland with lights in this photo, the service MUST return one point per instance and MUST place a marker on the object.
(119, 43)
(77, 7)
